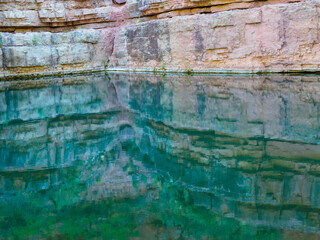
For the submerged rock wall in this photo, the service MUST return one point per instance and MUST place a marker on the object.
(58, 36)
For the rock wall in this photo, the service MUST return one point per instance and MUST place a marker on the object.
(268, 38)
(58, 36)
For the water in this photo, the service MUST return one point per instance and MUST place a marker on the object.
(160, 157)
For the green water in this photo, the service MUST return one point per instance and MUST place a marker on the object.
(123, 156)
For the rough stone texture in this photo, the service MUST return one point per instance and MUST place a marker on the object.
(80, 49)
(273, 37)
(241, 35)
(41, 13)
(169, 8)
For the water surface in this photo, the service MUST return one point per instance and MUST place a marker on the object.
(123, 156)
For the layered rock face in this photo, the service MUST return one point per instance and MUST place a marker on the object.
(58, 36)
(268, 38)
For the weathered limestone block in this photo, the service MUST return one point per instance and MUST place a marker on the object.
(18, 18)
(223, 37)
(267, 38)
(119, 53)
(28, 39)
(78, 36)
(60, 38)
(73, 53)
(85, 36)
(59, 13)
(27, 56)
(51, 50)
(40, 13)
(103, 49)
(133, 9)
(55, 10)
(152, 7)
(147, 42)
(299, 16)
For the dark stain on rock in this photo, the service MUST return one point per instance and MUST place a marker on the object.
(198, 43)
(164, 49)
(8, 57)
(142, 42)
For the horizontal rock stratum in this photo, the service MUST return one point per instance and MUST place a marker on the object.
(46, 36)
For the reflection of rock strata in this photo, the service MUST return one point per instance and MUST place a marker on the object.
(278, 107)
(245, 147)
(24, 103)
(241, 177)
(56, 143)
(48, 129)
(116, 174)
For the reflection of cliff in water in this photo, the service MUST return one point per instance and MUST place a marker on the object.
(244, 147)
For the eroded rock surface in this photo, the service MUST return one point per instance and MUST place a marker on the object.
(56, 36)
(273, 37)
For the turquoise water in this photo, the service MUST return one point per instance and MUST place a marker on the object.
(123, 156)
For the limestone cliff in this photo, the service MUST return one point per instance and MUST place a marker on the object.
(50, 36)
